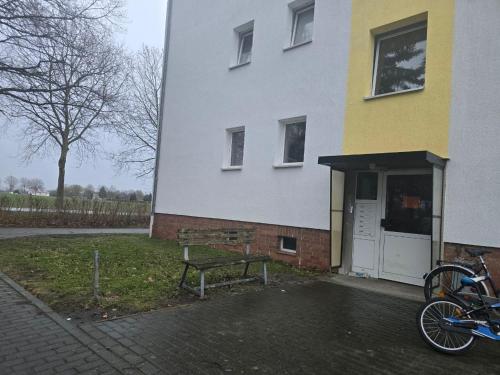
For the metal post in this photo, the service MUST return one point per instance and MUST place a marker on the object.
(202, 284)
(96, 275)
(247, 249)
(264, 272)
(186, 252)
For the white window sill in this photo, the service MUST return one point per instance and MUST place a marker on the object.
(297, 45)
(232, 168)
(393, 93)
(288, 165)
(232, 67)
(287, 252)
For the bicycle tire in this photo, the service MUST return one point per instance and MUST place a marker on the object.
(452, 274)
(428, 317)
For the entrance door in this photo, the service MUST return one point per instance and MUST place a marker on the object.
(366, 230)
(406, 226)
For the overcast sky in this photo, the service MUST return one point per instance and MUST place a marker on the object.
(146, 22)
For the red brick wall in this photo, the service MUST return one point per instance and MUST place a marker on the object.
(454, 250)
(313, 245)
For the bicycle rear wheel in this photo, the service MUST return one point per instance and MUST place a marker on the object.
(446, 280)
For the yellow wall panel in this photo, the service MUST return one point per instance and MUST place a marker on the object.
(402, 122)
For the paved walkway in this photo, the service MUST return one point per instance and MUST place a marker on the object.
(28, 232)
(317, 328)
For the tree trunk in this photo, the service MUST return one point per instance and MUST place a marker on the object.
(60, 180)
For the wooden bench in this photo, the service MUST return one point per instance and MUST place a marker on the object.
(189, 237)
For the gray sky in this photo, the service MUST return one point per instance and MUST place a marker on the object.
(146, 21)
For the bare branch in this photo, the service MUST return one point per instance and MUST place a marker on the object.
(140, 113)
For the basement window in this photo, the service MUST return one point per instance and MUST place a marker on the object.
(288, 244)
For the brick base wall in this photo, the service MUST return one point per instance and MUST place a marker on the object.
(313, 245)
(454, 250)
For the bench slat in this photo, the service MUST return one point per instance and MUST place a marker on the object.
(215, 236)
(204, 264)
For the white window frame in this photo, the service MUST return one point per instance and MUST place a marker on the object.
(284, 249)
(228, 149)
(279, 161)
(296, 14)
(389, 35)
(242, 36)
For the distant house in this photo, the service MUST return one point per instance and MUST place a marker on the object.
(360, 136)
(39, 193)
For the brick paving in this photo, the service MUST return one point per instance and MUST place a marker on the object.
(315, 328)
(32, 343)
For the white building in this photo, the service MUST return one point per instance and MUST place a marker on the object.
(396, 98)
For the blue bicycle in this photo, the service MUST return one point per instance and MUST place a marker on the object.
(452, 323)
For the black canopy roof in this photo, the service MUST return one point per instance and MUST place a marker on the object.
(390, 160)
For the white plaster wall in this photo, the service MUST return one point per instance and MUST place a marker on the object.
(472, 200)
(203, 98)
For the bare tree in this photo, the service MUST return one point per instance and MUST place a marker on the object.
(88, 192)
(25, 27)
(23, 184)
(138, 126)
(11, 183)
(35, 185)
(83, 78)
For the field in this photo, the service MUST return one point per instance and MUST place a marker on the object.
(32, 211)
(137, 273)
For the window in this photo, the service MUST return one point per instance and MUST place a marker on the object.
(303, 22)
(367, 186)
(235, 148)
(245, 47)
(409, 204)
(400, 61)
(295, 135)
(288, 244)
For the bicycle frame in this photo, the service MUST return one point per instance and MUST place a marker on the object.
(480, 328)
(488, 276)
(483, 268)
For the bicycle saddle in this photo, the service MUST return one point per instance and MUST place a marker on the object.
(477, 252)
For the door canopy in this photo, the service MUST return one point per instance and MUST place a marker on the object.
(390, 160)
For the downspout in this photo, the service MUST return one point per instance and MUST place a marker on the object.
(162, 109)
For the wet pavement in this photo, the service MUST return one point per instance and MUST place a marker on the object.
(316, 328)
(312, 328)
(31, 342)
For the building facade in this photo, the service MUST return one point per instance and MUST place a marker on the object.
(359, 135)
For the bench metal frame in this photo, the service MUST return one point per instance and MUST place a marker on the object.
(187, 237)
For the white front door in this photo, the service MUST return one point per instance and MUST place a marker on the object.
(392, 225)
(366, 231)
(406, 226)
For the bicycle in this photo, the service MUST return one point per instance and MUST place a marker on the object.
(446, 278)
(452, 324)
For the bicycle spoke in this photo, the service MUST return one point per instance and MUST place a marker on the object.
(444, 338)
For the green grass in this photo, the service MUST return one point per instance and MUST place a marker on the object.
(137, 273)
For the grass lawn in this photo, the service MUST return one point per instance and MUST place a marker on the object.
(137, 273)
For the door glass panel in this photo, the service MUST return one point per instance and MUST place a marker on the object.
(366, 186)
(409, 204)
